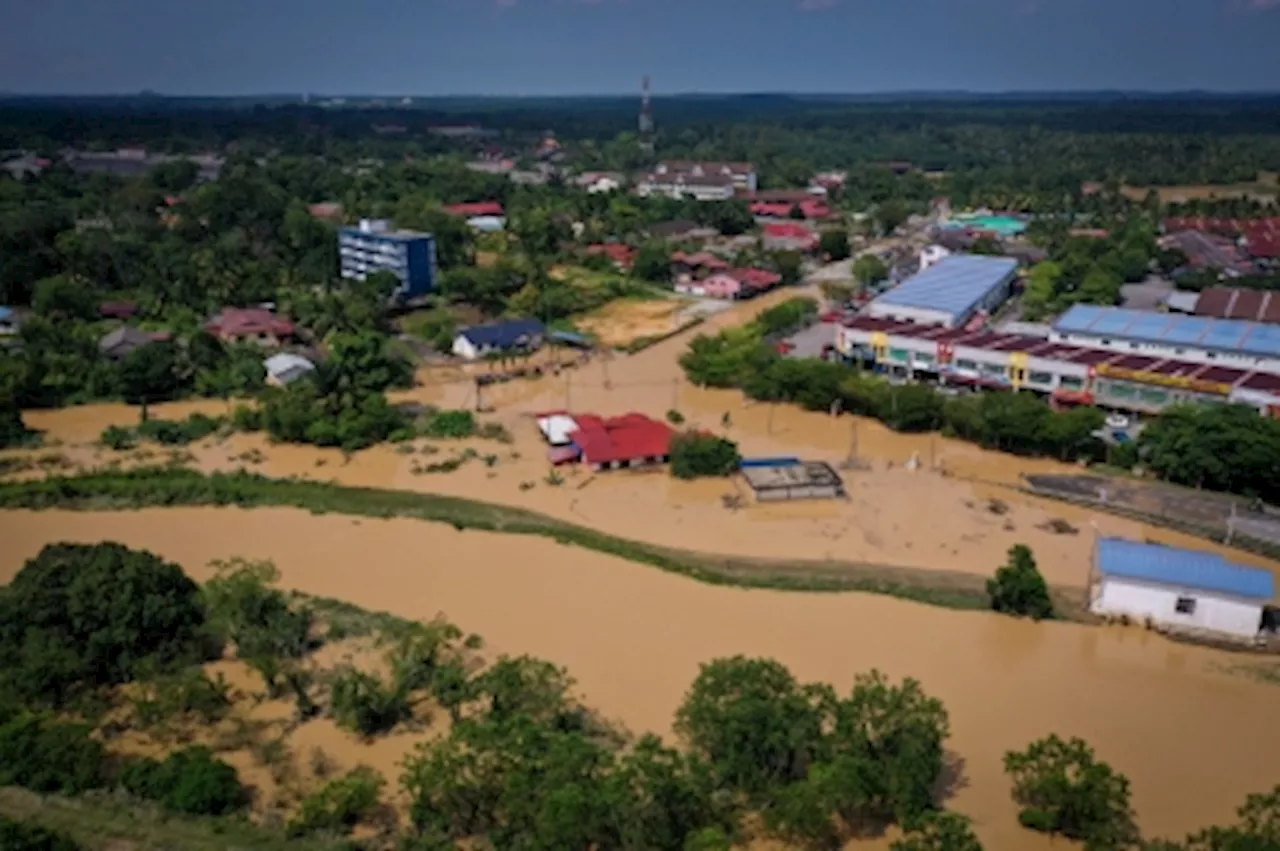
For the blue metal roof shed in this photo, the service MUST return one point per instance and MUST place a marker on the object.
(954, 285)
(1191, 569)
(1227, 335)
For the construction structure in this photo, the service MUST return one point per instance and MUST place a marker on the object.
(646, 126)
(779, 479)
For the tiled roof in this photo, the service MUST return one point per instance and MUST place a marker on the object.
(1182, 569)
(245, 321)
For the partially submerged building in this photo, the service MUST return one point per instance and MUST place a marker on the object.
(777, 479)
(285, 368)
(500, 337)
(1180, 590)
(125, 340)
(605, 443)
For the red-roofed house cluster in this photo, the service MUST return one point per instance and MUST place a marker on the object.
(606, 443)
(251, 325)
(704, 274)
(1260, 237)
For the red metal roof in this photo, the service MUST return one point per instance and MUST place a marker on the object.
(629, 437)
(788, 230)
(700, 259)
(250, 321)
(478, 208)
(619, 253)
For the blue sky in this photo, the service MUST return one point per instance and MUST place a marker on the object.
(541, 47)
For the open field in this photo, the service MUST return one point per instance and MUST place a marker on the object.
(1201, 192)
(622, 322)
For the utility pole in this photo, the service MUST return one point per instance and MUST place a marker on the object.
(675, 394)
(568, 390)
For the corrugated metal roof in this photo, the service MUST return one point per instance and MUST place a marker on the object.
(1229, 335)
(952, 285)
(1182, 568)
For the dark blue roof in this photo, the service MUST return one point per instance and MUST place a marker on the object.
(1182, 568)
(503, 335)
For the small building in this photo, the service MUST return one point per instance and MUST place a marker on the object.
(731, 284)
(776, 479)
(556, 427)
(500, 337)
(931, 255)
(9, 322)
(487, 224)
(122, 310)
(1184, 590)
(631, 440)
(251, 325)
(126, 340)
(789, 236)
(622, 255)
(703, 181)
(950, 292)
(596, 182)
(330, 211)
(285, 368)
(478, 208)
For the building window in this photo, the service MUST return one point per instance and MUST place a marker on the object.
(1134, 346)
(1179, 351)
(1105, 341)
(1040, 378)
(1071, 382)
(1185, 606)
(966, 364)
(898, 355)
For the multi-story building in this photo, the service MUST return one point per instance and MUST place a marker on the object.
(701, 181)
(373, 246)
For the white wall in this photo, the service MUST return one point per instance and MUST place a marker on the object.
(464, 348)
(1213, 611)
(919, 315)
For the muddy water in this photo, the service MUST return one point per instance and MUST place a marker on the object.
(1193, 738)
(893, 516)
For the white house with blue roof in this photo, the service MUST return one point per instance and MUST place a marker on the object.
(501, 337)
(949, 292)
(1178, 589)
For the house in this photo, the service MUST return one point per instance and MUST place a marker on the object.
(810, 208)
(681, 230)
(689, 267)
(731, 284)
(123, 341)
(487, 224)
(478, 208)
(251, 325)
(742, 176)
(329, 211)
(789, 236)
(701, 187)
(122, 310)
(1184, 590)
(622, 255)
(514, 335)
(9, 322)
(631, 440)
(596, 182)
(285, 368)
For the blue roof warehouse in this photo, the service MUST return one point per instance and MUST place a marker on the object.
(950, 292)
(1179, 590)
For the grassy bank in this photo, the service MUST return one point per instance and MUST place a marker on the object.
(107, 821)
(174, 486)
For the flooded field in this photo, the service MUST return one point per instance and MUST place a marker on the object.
(1193, 737)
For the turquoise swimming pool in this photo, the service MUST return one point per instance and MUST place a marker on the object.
(1003, 225)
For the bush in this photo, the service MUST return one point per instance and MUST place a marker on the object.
(191, 781)
(363, 704)
(694, 455)
(339, 805)
(118, 438)
(675, 417)
(452, 424)
(45, 755)
(79, 615)
(1062, 789)
(179, 432)
(1018, 588)
(18, 836)
(188, 693)
(939, 832)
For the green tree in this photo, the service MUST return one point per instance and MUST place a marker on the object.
(757, 727)
(363, 703)
(653, 263)
(151, 374)
(339, 805)
(20, 836)
(245, 609)
(834, 244)
(191, 781)
(1100, 286)
(65, 299)
(1018, 588)
(939, 832)
(1061, 788)
(46, 755)
(986, 245)
(789, 265)
(869, 269)
(14, 376)
(890, 215)
(79, 615)
(694, 455)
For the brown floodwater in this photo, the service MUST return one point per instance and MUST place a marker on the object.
(1193, 737)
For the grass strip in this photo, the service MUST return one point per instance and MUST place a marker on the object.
(172, 486)
(101, 821)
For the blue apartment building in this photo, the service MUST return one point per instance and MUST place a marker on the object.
(373, 246)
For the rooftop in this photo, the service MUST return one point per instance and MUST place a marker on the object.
(1190, 569)
(1228, 335)
(625, 438)
(504, 335)
(954, 284)
(1231, 303)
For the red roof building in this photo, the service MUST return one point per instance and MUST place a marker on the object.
(623, 255)
(250, 324)
(789, 236)
(479, 208)
(811, 208)
(626, 441)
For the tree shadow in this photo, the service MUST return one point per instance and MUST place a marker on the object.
(952, 779)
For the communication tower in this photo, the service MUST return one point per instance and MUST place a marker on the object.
(646, 116)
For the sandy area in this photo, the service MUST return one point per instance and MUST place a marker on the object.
(625, 320)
